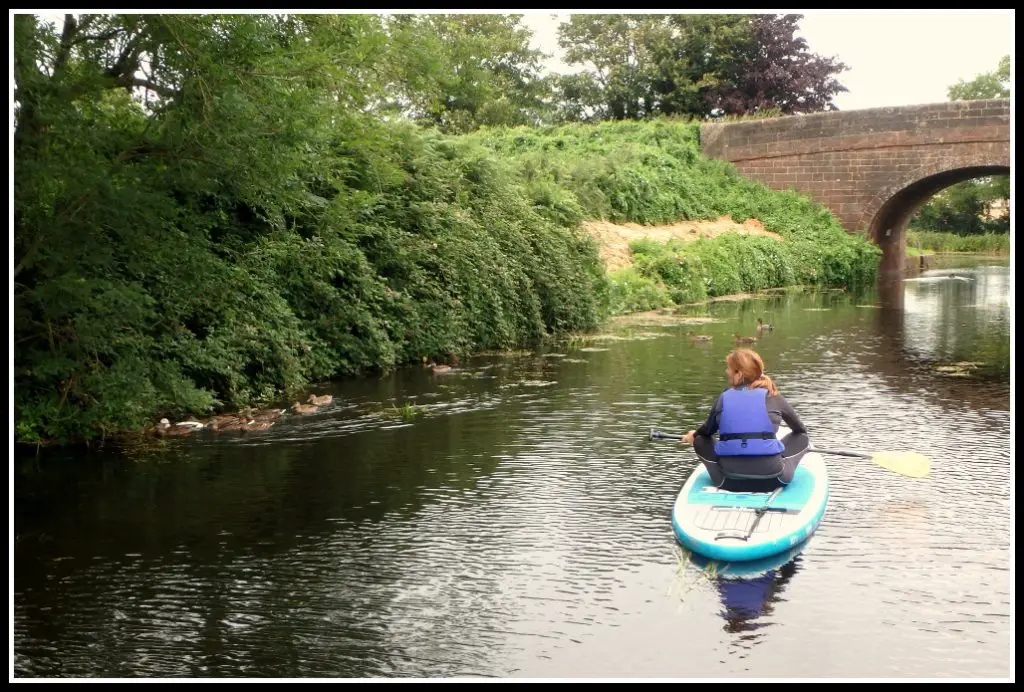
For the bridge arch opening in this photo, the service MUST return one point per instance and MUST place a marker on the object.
(893, 209)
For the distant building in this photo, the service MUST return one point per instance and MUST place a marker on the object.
(998, 208)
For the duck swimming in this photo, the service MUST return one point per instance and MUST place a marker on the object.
(270, 414)
(222, 423)
(763, 327)
(164, 427)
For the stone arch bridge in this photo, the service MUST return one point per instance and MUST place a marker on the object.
(873, 168)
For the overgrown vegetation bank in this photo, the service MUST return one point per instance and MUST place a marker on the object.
(254, 229)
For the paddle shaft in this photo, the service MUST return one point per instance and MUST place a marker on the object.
(840, 453)
(657, 435)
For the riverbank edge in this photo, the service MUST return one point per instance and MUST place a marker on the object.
(608, 325)
(914, 263)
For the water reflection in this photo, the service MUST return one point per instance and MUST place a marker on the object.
(744, 601)
(952, 322)
(748, 590)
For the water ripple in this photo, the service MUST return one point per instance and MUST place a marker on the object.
(517, 525)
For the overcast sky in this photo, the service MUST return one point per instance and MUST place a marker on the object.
(895, 58)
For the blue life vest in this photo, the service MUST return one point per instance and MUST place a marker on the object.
(745, 428)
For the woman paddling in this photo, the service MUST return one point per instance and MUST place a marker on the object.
(747, 417)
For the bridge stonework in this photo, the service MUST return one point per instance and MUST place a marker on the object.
(873, 168)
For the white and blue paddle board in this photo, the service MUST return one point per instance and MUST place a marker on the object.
(717, 523)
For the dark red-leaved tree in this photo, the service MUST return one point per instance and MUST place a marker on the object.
(775, 70)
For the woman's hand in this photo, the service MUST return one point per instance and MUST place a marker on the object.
(688, 437)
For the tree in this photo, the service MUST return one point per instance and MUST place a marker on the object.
(773, 70)
(460, 71)
(637, 66)
(988, 85)
(968, 207)
(149, 152)
(623, 55)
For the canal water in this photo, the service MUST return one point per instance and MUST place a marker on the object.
(511, 518)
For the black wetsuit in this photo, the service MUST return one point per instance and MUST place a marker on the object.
(727, 471)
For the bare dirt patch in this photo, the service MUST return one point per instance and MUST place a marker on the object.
(614, 239)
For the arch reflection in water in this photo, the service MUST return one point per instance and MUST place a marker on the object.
(947, 323)
(748, 590)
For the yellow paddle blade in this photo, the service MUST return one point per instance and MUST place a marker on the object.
(907, 463)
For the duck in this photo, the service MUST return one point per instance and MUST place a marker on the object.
(698, 337)
(745, 339)
(448, 362)
(269, 415)
(222, 423)
(164, 427)
(320, 400)
(257, 425)
(763, 327)
(304, 408)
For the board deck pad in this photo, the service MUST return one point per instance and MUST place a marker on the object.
(734, 519)
(793, 496)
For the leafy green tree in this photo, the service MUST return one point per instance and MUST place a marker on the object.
(988, 85)
(623, 55)
(967, 208)
(149, 153)
(461, 71)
